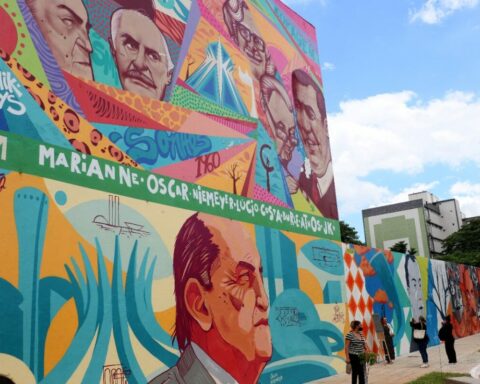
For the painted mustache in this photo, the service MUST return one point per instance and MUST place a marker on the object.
(141, 77)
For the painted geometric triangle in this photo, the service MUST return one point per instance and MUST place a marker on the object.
(104, 104)
(197, 168)
(213, 79)
(263, 195)
(249, 185)
(155, 149)
(101, 107)
(230, 176)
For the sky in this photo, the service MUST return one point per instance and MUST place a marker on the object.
(402, 87)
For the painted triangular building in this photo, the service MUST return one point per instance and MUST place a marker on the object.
(213, 79)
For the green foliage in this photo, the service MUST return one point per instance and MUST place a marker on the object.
(349, 234)
(400, 246)
(370, 358)
(412, 251)
(468, 258)
(463, 246)
(436, 377)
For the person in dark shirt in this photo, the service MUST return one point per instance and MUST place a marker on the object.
(446, 334)
(388, 343)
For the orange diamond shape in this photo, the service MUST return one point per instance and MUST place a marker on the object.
(348, 259)
(350, 282)
(352, 305)
(361, 305)
(359, 281)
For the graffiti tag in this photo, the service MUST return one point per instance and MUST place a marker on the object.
(146, 149)
(115, 374)
(289, 316)
(9, 92)
(207, 163)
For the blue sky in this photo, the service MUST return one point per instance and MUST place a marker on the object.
(402, 85)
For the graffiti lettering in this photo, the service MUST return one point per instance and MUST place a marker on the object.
(288, 316)
(207, 163)
(147, 149)
(275, 378)
(9, 91)
(115, 374)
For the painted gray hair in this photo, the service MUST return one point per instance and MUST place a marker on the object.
(115, 23)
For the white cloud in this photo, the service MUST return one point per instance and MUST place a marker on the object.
(399, 133)
(416, 187)
(327, 66)
(468, 195)
(434, 11)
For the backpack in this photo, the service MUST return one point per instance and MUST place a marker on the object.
(442, 333)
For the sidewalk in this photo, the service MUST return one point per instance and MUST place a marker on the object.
(407, 368)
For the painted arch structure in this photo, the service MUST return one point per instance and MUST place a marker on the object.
(123, 124)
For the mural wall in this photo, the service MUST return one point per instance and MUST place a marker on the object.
(167, 202)
(185, 89)
(100, 287)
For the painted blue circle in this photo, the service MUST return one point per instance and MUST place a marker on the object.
(61, 197)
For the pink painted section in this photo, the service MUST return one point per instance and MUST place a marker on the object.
(201, 124)
(240, 126)
(262, 194)
(278, 57)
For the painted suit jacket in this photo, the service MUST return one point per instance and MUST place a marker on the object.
(188, 370)
(327, 204)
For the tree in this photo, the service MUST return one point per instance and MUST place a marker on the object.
(349, 234)
(463, 246)
(399, 246)
(235, 175)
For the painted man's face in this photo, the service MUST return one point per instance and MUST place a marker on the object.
(141, 55)
(237, 300)
(283, 124)
(455, 291)
(415, 292)
(313, 127)
(252, 44)
(469, 292)
(64, 25)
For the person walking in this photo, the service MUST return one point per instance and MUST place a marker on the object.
(354, 347)
(421, 338)
(388, 342)
(445, 334)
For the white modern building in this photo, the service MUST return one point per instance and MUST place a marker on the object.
(423, 222)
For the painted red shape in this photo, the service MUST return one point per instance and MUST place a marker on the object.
(9, 39)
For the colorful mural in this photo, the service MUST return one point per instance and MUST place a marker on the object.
(190, 90)
(167, 202)
(98, 287)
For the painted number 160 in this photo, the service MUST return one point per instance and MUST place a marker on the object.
(207, 163)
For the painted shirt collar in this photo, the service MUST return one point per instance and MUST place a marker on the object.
(219, 375)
